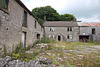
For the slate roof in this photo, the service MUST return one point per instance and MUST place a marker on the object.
(60, 24)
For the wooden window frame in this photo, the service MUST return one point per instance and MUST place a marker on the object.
(25, 19)
(6, 4)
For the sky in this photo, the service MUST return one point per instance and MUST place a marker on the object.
(83, 10)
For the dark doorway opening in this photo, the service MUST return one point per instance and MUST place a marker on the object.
(85, 38)
(59, 38)
(38, 36)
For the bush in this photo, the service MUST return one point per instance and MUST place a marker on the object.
(19, 52)
(44, 40)
(89, 40)
(5, 51)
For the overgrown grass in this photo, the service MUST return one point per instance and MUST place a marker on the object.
(44, 40)
(55, 50)
(71, 58)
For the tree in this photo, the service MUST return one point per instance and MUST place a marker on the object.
(67, 17)
(47, 11)
(50, 14)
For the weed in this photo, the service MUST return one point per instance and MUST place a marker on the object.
(5, 51)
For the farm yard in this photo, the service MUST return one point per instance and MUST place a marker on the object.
(69, 54)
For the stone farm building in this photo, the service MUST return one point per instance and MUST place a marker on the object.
(17, 24)
(89, 31)
(62, 30)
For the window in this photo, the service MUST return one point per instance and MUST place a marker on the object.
(69, 29)
(51, 36)
(35, 25)
(25, 19)
(93, 31)
(69, 37)
(4, 4)
(51, 29)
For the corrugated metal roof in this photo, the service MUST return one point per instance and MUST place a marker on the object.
(59, 23)
(90, 24)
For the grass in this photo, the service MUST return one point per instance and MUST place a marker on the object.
(64, 50)
(73, 58)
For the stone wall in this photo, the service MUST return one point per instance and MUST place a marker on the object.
(62, 31)
(11, 27)
(9, 62)
(88, 31)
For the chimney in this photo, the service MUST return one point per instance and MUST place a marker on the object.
(44, 18)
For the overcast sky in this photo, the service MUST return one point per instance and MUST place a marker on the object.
(84, 10)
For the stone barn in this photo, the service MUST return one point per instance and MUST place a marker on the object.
(17, 24)
(89, 31)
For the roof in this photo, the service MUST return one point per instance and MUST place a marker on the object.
(90, 24)
(22, 5)
(59, 23)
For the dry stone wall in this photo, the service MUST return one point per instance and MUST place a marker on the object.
(9, 62)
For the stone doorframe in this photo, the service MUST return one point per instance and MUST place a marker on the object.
(59, 37)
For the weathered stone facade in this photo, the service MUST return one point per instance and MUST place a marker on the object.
(61, 33)
(86, 31)
(11, 27)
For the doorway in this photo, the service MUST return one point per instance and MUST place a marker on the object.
(38, 36)
(59, 38)
(24, 39)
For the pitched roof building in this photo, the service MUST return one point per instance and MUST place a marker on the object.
(60, 23)
(62, 30)
(17, 24)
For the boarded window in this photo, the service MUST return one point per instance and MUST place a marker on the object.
(4, 4)
(93, 31)
(25, 19)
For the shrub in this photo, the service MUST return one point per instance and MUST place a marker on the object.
(20, 48)
(44, 40)
(5, 51)
(89, 40)
(18, 52)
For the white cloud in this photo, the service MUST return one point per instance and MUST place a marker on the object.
(57, 4)
(85, 10)
(90, 19)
